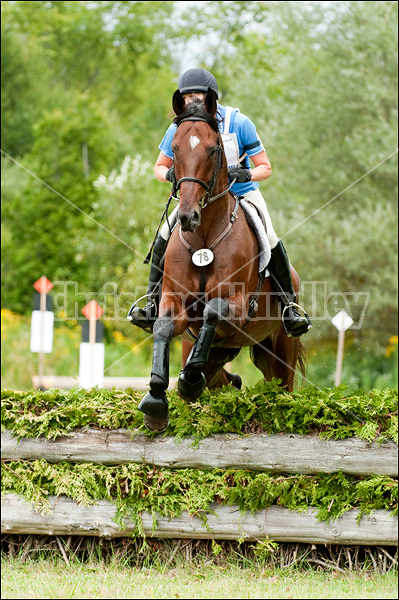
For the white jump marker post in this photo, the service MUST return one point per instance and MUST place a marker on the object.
(42, 325)
(91, 359)
(342, 321)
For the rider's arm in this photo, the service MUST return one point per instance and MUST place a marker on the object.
(262, 165)
(163, 164)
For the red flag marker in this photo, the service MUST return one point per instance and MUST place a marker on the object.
(43, 285)
(92, 311)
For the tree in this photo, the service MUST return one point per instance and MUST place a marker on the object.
(89, 109)
(23, 75)
(320, 82)
(318, 79)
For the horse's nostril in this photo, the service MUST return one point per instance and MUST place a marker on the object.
(183, 220)
(189, 222)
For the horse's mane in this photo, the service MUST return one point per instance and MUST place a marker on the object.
(197, 109)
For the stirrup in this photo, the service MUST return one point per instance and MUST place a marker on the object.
(145, 324)
(301, 330)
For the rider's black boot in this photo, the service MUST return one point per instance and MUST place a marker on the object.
(145, 317)
(294, 324)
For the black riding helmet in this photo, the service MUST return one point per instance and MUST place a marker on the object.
(197, 80)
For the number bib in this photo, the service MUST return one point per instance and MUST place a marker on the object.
(202, 257)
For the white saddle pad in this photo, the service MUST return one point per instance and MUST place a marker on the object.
(254, 221)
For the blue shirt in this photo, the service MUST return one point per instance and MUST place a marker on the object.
(247, 138)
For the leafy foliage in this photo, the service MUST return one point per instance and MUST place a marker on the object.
(320, 81)
(87, 84)
(263, 407)
(168, 492)
(95, 81)
(58, 412)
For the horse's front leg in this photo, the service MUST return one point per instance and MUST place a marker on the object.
(191, 382)
(154, 405)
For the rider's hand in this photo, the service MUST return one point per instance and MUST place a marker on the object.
(239, 174)
(170, 174)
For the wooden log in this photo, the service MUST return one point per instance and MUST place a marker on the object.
(286, 453)
(66, 383)
(227, 522)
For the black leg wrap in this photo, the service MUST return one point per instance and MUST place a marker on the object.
(214, 312)
(155, 403)
(199, 354)
(160, 365)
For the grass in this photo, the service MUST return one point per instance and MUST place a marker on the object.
(49, 579)
(186, 570)
(73, 567)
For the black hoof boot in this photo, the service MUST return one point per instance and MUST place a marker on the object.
(190, 391)
(235, 380)
(154, 424)
(153, 406)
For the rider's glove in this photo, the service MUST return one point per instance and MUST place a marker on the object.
(170, 174)
(239, 174)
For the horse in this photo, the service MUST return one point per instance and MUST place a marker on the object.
(218, 304)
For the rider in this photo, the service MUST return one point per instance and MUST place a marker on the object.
(240, 141)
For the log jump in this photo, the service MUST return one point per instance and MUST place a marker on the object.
(284, 453)
(223, 522)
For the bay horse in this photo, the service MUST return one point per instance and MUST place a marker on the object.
(212, 303)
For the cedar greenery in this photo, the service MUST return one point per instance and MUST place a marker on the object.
(331, 413)
(264, 407)
(169, 492)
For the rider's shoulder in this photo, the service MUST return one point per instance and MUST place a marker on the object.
(241, 119)
(237, 118)
(169, 133)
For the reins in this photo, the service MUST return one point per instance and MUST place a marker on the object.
(164, 214)
(208, 199)
(208, 187)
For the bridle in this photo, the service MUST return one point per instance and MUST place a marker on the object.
(209, 187)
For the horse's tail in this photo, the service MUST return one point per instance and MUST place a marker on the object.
(302, 359)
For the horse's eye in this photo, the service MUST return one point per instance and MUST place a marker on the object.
(175, 149)
(212, 150)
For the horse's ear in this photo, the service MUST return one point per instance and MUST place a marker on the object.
(210, 101)
(178, 103)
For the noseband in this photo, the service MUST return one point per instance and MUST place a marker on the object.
(209, 187)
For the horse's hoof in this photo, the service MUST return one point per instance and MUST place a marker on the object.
(235, 380)
(154, 424)
(190, 391)
(153, 406)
